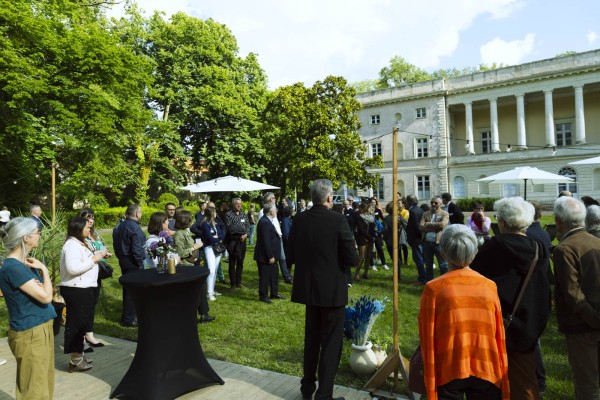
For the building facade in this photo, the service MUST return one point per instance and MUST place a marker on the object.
(453, 131)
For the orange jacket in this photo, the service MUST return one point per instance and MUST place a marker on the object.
(461, 331)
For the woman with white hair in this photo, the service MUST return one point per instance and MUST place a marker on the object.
(592, 220)
(460, 326)
(506, 260)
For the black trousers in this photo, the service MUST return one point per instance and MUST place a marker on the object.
(128, 316)
(323, 335)
(475, 389)
(268, 277)
(90, 326)
(80, 311)
(236, 263)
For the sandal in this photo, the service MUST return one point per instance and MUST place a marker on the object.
(79, 365)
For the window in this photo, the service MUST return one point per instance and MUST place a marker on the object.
(376, 149)
(421, 148)
(571, 186)
(564, 134)
(458, 187)
(421, 112)
(511, 190)
(379, 192)
(486, 142)
(375, 119)
(423, 190)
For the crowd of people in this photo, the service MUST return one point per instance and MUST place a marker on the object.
(479, 322)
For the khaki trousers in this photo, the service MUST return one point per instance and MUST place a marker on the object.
(34, 352)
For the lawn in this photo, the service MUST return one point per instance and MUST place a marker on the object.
(270, 336)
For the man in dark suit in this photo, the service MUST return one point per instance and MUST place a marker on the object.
(413, 235)
(320, 245)
(456, 214)
(266, 254)
(36, 213)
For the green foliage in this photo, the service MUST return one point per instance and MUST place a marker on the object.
(166, 198)
(50, 245)
(468, 204)
(400, 72)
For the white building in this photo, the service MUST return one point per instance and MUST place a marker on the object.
(454, 131)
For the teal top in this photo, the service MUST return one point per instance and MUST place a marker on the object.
(23, 311)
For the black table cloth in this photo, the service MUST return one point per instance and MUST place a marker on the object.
(169, 360)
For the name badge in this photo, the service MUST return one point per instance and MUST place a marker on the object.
(242, 220)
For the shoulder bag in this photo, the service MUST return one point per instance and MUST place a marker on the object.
(510, 316)
(219, 248)
(104, 270)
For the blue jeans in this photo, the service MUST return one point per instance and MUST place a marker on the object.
(417, 256)
(251, 234)
(429, 250)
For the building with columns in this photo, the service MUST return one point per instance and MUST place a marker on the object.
(454, 131)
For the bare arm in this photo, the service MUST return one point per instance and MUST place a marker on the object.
(41, 292)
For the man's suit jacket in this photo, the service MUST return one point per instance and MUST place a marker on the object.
(456, 214)
(321, 245)
(413, 232)
(39, 222)
(268, 242)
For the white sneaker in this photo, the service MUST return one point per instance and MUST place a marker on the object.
(374, 268)
(434, 266)
(385, 267)
(212, 298)
(349, 285)
(216, 293)
(377, 262)
(2, 361)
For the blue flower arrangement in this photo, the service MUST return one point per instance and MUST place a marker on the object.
(359, 319)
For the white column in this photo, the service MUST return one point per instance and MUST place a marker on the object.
(579, 116)
(469, 124)
(521, 134)
(494, 123)
(550, 136)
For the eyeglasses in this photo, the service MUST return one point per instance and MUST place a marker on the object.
(89, 217)
(170, 209)
(434, 202)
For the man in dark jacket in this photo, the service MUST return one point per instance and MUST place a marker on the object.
(128, 241)
(453, 210)
(320, 245)
(413, 235)
(577, 294)
(266, 254)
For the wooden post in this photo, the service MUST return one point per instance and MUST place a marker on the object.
(54, 166)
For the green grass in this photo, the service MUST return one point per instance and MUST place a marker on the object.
(270, 337)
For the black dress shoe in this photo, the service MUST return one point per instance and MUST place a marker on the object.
(133, 324)
(88, 350)
(265, 300)
(278, 297)
(94, 344)
(206, 318)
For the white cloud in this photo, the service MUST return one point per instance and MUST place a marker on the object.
(508, 53)
(308, 40)
(591, 37)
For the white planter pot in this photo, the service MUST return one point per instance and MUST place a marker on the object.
(363, 360)
(380, 354)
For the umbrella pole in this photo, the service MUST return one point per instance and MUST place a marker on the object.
(525, 197)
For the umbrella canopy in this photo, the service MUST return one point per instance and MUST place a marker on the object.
(593, 160)
(524, 174)
(228, 184)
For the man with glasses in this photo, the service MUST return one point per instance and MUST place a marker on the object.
(432, 224)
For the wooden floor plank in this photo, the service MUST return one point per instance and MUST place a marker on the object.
(112, 361)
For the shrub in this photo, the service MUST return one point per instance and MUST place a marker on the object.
(164, 199)
(467, 204)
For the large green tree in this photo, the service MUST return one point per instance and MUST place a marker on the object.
(311, 133)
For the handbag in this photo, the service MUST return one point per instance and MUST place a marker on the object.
(510, 316)
(193, 256)
(104, 270)
(416, 376)
(219, 248)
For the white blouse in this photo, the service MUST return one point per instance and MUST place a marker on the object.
(77, 267)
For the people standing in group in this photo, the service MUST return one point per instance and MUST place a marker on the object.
(479, 223)
(213, 234)
(220, 225)
(237, 233)
(365, 236)
(36, 213)
(577, 294)
(413, 235)
(170, 209)
(27, 290)
(320, 284)
(348, 212)
(199, 216)
(506, 259)
(128, 243)
(455, 214)
(592, 220)
(252, 220)
(187, 248)
(266, 254)
(4, 216)
(461, 329)
(286, 227)
(378, 241)
(78, 282)
(301, 206)
(431, 226)
(157, 223)
(269, 197)
(95, 243)
(388, 224)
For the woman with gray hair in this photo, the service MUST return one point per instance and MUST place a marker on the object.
(592, 220)
(460, 326)
(27, 290)
(506, 260)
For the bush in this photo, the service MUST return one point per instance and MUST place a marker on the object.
(164, 199)
(467, 204)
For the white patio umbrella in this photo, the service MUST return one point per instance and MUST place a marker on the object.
(228, 184)
(523, 174)
(593, 160)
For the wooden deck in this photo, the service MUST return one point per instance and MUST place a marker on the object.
(112, 361)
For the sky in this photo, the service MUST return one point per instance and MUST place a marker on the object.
(305, 41)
